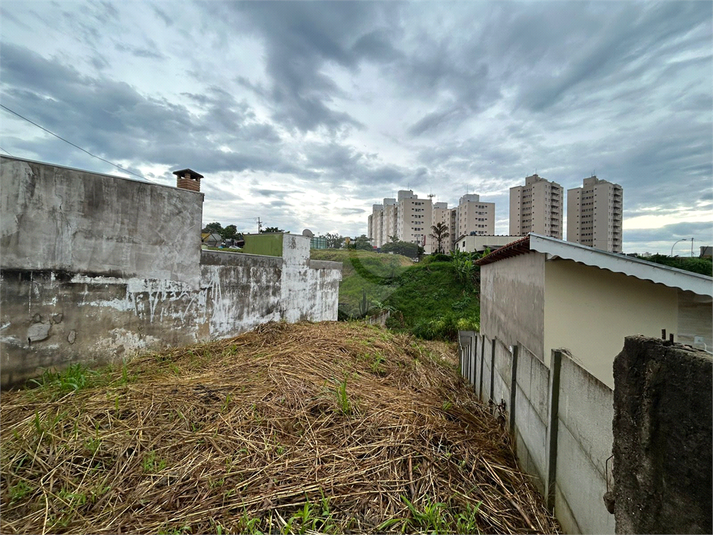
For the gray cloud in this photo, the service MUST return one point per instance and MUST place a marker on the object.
(361, 99)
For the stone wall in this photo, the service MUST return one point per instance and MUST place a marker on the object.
(114, 266)
(662, 438)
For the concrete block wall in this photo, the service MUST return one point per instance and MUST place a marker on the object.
(531, 408)
(584, 443)
(95, 268)
(562, 440)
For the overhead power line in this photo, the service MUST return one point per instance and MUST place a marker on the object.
(67, 141)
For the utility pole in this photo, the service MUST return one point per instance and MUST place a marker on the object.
(259, 225)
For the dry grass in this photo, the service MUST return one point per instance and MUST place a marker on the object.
(291, 428)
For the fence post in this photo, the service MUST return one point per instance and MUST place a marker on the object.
(513, 390)
(552, 428)
(482, 366)
(492, 368)
(474, 358)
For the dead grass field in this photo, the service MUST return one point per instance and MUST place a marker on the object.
(331, 428)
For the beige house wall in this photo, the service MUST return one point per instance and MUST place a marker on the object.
(589, 311)
(512, 301)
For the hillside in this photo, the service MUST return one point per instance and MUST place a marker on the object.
(433, 302)
(429, 299)
(303, 428)
(363, 271)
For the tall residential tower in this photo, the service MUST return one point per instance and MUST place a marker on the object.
(594, 214)
(536, 207)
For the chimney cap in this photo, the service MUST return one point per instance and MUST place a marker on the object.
(192, 174)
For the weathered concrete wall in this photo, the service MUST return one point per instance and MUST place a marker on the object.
(662, 438)
(584, 443)
(100, 295)
(532, 411)
(562, 440)
(502, 375)
(51, 318)
(512, 301)
(61, 219)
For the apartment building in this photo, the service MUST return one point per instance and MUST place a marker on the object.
(410, 219)
(536, 207)
(414, 219)
(448, 217)
(594, 214)
(475, 217)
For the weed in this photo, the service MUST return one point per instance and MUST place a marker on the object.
(226, 403)
(447, 405)
(92, 444)
(181, 530)
(151, 464)
(343, 398)
(73, 378)
(466, 522)
(19, 491)
(377, 363)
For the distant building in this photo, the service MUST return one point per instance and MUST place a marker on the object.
(448, 217)
(410, 219)
(536, 207)
(475, 216)
(414, 219)
(594, 214)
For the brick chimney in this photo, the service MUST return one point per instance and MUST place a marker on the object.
(188, 179)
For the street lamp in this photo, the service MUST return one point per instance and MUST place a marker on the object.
(674, 245)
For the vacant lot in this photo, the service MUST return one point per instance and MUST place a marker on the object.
(332, 427)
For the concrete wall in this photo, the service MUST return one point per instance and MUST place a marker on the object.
(662, 438)
(531, 409)
(61, 219)
(589, 311)
(53, 313)
(512, 301)
(560, 420)
(584, 442)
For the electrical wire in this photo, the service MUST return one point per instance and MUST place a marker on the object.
(67, 141)
(6, 151)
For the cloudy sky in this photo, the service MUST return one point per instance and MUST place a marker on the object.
(305, 114)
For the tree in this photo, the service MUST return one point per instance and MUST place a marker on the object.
(334, 240)
(230, 232)
(439, 233)
(393, 239)
(214, 227)
(271, 229)
(362, 242)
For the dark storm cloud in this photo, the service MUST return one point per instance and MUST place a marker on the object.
(140, 52)
(112, 118)
(620, 50)
(302, 38)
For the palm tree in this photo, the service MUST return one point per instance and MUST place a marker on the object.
(440, 233)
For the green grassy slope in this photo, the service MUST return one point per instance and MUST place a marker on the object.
(428, 299)
(363, 271)
(433, 302)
